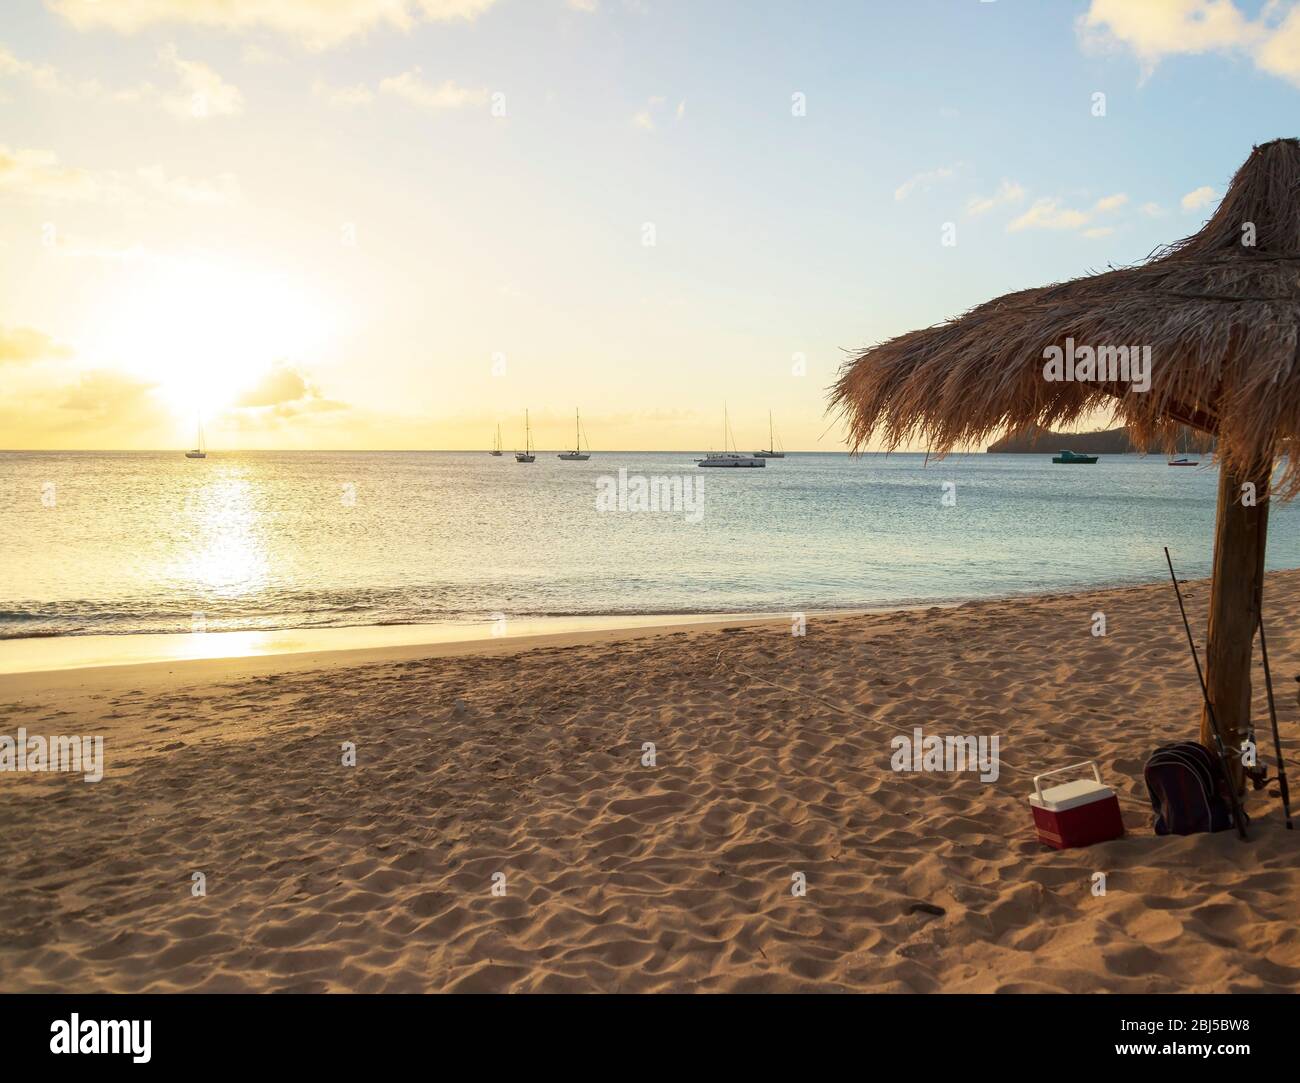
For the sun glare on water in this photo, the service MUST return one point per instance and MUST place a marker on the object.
(206, 333)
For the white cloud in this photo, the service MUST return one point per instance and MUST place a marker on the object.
(197, 91)
(222, 189)
(645, 118)
(409, 86)
(47, 79)
(252, 53)
(1152, 210)
(924, 181)
(41, 76)
(584, 5)
(1008, 192)
(203, 92)
(315, 23)
(1279, 53)
(23, 344)
(358, 94)
(1198, 198)
(1048, 214)
(39, 174)
(1155, 29)
(446, 95)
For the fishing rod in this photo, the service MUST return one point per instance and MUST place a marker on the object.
(1237, 813)
(1272, 713)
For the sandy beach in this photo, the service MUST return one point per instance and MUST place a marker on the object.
(526, 759)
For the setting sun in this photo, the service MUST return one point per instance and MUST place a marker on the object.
(205, 333)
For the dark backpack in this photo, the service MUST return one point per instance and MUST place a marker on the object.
(1189, 792)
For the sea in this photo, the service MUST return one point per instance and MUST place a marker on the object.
(137, 542)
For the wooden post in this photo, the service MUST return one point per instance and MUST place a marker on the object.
(1241, 531)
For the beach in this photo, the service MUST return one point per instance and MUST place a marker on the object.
(702, 808)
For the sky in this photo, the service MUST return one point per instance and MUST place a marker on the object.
(399, 223)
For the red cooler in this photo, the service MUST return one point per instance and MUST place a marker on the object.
(1075, 813)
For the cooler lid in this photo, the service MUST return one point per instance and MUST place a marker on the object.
(1070, 795)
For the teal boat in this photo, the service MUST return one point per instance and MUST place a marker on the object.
(1073, 457)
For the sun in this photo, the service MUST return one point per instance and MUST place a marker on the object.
(205, 331)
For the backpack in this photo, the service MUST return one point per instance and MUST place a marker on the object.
(1189, 793)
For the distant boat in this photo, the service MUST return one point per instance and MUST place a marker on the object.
(526, 456)
(577, 454)
(1074, 457)
(729, 458)
(1183, 462)
(772, 451)
(496, 447)
(198, 452)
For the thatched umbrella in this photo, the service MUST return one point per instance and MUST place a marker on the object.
(1220, 312)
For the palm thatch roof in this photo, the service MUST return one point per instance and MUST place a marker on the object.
(1221, 318)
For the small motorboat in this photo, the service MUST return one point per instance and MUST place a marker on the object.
(1183, 462)
(1074, 457)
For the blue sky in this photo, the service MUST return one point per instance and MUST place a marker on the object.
(477, 237)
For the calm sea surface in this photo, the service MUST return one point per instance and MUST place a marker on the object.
(141, 542)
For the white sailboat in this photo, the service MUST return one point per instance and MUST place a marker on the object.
(496, 447)
(729, 458)
(526, 456)
(199, 451)
(772, 452)
(577, 454)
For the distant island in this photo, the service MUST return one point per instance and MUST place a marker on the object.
(1102, 442)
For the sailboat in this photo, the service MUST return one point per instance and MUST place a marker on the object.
(771, 452)
(198, 452)
(729, 458)
(526, 456)
(577, 454)
(496, 447)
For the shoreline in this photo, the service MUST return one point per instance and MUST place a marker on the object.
(376, 642)
(291, 647)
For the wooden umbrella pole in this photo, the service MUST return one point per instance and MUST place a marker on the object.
(1241, 530)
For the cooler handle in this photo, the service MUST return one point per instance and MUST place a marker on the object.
(1061, 770)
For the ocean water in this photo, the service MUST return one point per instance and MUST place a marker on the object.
(124, 542)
